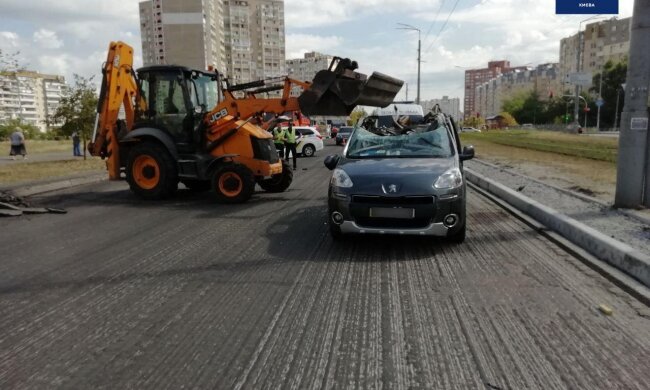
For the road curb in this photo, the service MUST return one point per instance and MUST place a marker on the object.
(622, 256)
(36, 188)
(627, 212)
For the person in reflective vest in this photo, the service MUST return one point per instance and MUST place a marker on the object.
(290, 141)
(278, 140)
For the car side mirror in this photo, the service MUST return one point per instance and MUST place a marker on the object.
(331, 161)
(468, 153)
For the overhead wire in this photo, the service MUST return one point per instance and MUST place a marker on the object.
(435, 19)
(444, 25)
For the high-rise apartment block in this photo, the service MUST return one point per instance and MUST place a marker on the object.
(475, 77)
(182, 32)
(30, 96)
(243, 38)
(450, 106)
(602, 41)
(543, 79)
(304, 69)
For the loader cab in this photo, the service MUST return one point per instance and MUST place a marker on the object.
(177, 98)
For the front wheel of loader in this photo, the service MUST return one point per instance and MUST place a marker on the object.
(233, 183)
(279, 182)
(151, 171)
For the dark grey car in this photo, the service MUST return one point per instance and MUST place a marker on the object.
(407, 182)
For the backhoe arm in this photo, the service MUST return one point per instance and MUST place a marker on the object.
(119, 89)
(251, 105)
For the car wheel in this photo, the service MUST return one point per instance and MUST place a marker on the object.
(233, 183)
(458, 237)
(151, 171)
(308, 150)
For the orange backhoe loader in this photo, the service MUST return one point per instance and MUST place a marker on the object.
(185, 125)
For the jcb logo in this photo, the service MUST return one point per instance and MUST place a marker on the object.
(216, 116)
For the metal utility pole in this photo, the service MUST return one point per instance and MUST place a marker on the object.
(632, 182)
(576, 101)
(409, 27)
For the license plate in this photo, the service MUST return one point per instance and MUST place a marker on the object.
(385, 212)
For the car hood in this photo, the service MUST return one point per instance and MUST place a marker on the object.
(409, 176)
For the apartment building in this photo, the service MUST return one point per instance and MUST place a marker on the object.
(448, 105)
(183, 32)
(304, 69)
(242, 38)
(475, 77)
(254, 45)
(600, 42)
(544, 79)
(30, 96)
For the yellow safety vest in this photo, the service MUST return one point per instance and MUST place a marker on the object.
(278, 135)
(291, 135)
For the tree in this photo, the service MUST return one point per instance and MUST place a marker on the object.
(474, 121)
(614, 75)
(355, 115)
(8, 127)
(508, 119)
(77, 109)
(9, 62)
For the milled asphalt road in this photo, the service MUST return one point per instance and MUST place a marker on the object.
(121, 293)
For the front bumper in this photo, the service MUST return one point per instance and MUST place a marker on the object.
(434, 229)
(427, 220)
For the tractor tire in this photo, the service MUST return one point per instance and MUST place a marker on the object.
(198, 185)
(151, 171)
(233, 183)
(279, 182)
(308, 150)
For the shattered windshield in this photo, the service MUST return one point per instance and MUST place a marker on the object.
(429, 142)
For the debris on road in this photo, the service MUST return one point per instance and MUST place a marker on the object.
(606, 310)
(14, 206)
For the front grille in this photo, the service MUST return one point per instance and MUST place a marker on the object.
(264, 149)
(395, 201)
(393, 223)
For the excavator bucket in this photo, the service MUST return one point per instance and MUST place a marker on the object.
(337, 92)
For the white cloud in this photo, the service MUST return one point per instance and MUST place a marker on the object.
(9, 40)
(299, 44)
(47, 39)
(310, 13)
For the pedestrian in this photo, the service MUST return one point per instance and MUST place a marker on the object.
(18, 144)
(278, 140)
(290, 144)
(76, 141)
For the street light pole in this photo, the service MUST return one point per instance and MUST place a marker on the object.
(413, 28)
(600, 96)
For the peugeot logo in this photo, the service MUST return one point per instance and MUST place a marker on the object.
(390, 189)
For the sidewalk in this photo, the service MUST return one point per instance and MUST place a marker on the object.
(628, 226)
(41, 157)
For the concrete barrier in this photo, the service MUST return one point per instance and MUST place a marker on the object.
(622, 256)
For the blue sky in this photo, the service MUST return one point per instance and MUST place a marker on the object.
(71, 36)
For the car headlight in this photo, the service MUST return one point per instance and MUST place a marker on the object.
(452, 178)
(340, 179)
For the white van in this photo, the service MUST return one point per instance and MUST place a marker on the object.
(403, 113)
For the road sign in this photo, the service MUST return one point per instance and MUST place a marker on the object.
(600, 102)
(580, 78)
